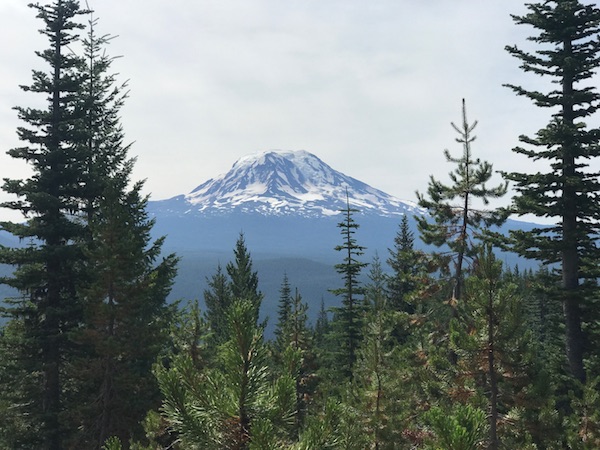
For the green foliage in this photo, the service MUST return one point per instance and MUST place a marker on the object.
(336, 426)
(407, 265)
(112, 443)
(126, 321)
(91, 317)
(458, 226)
(294, 355)
(583, 426)
(396, 367)
(240, 282)
(322, 326)
(19, 387)
(47, 307)
(347, 323)
(283, 314)
(190, 334)
(377, 393)
(497, 355)
(462, 428)
(244, 280)
(569, 189)
(220, 407)
(217, 299)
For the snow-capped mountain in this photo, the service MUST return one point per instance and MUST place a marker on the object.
(280, 183)
(286, 204)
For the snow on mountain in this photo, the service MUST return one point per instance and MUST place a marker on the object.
(284, 183)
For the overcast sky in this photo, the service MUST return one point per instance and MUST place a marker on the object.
(369, 86)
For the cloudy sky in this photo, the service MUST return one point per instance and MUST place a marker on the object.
(369, 86)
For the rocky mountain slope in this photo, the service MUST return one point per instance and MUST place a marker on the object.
(283, 183)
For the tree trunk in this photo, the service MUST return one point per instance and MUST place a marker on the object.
(51, 353)
(493, 444)
(570, 258)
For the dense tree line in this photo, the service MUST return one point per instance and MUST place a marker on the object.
(442, 350)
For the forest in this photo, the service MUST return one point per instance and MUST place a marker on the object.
(444, 349)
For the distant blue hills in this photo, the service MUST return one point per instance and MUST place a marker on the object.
(287, 206)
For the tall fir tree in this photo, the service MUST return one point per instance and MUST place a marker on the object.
(50, 200)
(126, 322)
(284, 310)
(100, 100)
(458, 225)
(347, 323)
(124, 287)
(567, 35)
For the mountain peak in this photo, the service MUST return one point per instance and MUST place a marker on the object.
(283, 182)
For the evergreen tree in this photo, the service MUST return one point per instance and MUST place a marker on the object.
(298, 358)
(458, 225)
(243, 280)
(283, 314)
(376, 381)
(324, 346)
(348, 317)
(234, 405)
(123, 287)
(410, 269)
(190, 334)
(543, 312)
(497, 351)
(48, 308)
(322, 325)
(17, 388)
(217, 299)
(239, 282)
(126, 321)
(404, 262)
(462, 428)
(337, 425)
(99, 104)
(298, 335)
(569, 189)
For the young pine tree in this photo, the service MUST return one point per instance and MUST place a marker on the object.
(490, 336)
(322, 326)
(295, 356)
(234, 405)
(377, 388)
(458, 225)
(568, 191)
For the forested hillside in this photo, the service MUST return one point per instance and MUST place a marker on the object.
(438, 347)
